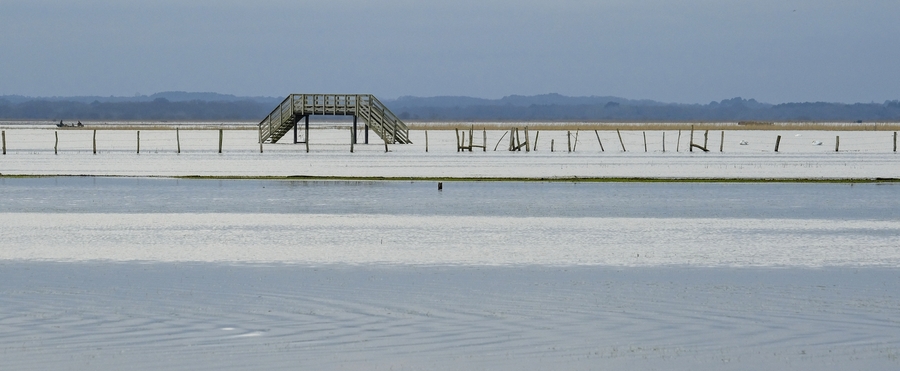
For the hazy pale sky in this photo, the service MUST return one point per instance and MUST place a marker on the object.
(691, 51)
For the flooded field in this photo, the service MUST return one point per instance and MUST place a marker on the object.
(212, 274)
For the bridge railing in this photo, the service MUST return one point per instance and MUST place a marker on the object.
(365, 106)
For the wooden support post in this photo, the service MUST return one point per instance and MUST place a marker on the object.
(471, 138)
(458, 146)
(367, 133)
(306, 133)
(355, 131)
(500, 140)
(895, 141)
(386, 144)
(295, 132)
(426, 140)
(536, 135)
(569, 139)
(4, 141)
(220, 140)
(722, 142)
(837, 143)
(527, 143)
(620, 140)
(484, 140)
(94, 142)
(664, 142)
(691, 146)
(352, 137)
(645, 141)
(440, 186)
(56, 141)
(598, 141)
(178, 142)
(678, 141)
(138, 141)
(512, 139)
(551, 145)
(777, 143)
(705, 138)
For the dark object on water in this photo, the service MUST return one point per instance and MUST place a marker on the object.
(63, 125)
(440, 186)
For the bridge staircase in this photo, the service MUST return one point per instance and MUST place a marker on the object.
(362, 106)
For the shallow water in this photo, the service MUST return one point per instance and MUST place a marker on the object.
(151, 273)
(869, 201)
(84, 316)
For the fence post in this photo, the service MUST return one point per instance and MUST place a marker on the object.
(837, 142)
(220, 140)
(678, 141)
(95, 141)
(620, 140)
(569, 139)
(56, 141)
(138, 141)
(664, 142)
(722, 142)
(645, 141)
(691, 145)
(4, 142)
(178, 142)
(895, 141)
(777, 143)
(426, 140)
(598, 141)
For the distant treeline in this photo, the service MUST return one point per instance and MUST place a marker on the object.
(549, 107)
(736, 109)
(158, 109)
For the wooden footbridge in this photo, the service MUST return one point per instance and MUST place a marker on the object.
(297, 107)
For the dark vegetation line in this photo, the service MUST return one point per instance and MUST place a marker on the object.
(550, 107)
(495, 179)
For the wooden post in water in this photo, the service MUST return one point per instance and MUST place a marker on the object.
(645, 141)
(569, 139)
(386, 144)
(56, 141)
(483, 140)
(4, 141)
(678, 142)
(777, 143)
(895, 141)
(536, 135)
(426, 140)
(705, 138)
(527, 142)
(352, 137)
(691, 146)
(178, 142)
(837, 143)
(722, 142)
(138, 141)
(620, 140)
(458, 146)
(551, 144)
(220, 140)
(471, 138)
(598, 141)
(518, 141)
(500, 140)
(575, 144)
(95, 141)
(664, 142)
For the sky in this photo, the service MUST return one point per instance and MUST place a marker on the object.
(690, 51)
